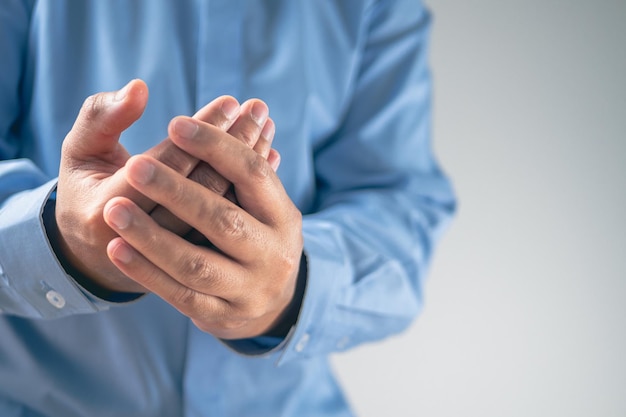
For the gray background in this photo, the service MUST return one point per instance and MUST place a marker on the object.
(526, 308)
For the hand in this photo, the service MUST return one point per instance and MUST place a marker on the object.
(241, 287)
(254, 115)
(92, 172)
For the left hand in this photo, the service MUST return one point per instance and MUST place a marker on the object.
(240, 288)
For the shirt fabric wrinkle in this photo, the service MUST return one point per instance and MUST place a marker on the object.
(356, 160)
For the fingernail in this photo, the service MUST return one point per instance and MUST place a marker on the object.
(123, 253)
(274, 160)
(259, 113)
(230, 108)
(268, 130)
(141, 171)
(185, 128)
(119, 216)
(120, 95)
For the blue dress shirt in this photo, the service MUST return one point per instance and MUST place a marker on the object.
(348, 86)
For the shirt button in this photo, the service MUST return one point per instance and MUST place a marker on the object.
(302, 342)
(55, 299)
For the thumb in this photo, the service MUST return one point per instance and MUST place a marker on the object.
(102, 119)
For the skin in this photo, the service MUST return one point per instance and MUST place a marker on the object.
(239, 288)
(125, 230)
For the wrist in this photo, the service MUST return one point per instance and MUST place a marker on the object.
(86, 283)
(290, 315)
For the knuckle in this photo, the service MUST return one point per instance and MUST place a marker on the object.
(210, 179)
(176, 193)
(231, 222)
(290, 262)
(91, 214)
(183, 295)
(262, 147)
(92, 106)
(196, 271)
(287, 260)
(258, 168)
(93, 109)
(249, 136)
(151, 278)
(219, 120)
(151, 241)
(177, 159)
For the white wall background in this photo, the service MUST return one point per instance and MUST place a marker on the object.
(526, 303)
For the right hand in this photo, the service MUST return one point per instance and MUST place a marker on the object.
(92, 172)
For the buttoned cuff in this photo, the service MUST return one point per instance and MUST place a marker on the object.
(316, 332)
(33, 283)
(310, 335)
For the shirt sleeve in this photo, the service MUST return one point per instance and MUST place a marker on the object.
(32, 282)
(383, 202)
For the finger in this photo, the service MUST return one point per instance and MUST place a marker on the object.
(264, 144)
(197, 268)
(205, 175)
(209, 313)
(229, 109)
(95, 131)
(248, 127)
(202, 174)
(251, 127)
(257, 187)
(227, 226)
(137, 267)
(274, 159)
(101, 120)
(222, 113)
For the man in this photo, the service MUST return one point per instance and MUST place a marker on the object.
(191, 279)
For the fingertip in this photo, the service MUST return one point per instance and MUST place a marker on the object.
(139, 84)
(140, 169)
(230, 107)
(134, 90)
(116, 214)
(259, 111)
(183, 127)
(264, 143)
(269, 129)
(119, 251)
(274, 159)
(137, 98)
(104, 116)
(221, 112)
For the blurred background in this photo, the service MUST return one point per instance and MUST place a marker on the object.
(525, 311)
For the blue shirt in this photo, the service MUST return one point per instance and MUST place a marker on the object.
(348, 86)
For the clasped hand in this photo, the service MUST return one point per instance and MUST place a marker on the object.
(241, 284)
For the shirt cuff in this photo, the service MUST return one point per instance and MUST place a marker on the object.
(33, 282)
(101, 297)
(321, 327)
(313, 334)
(316, 333)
